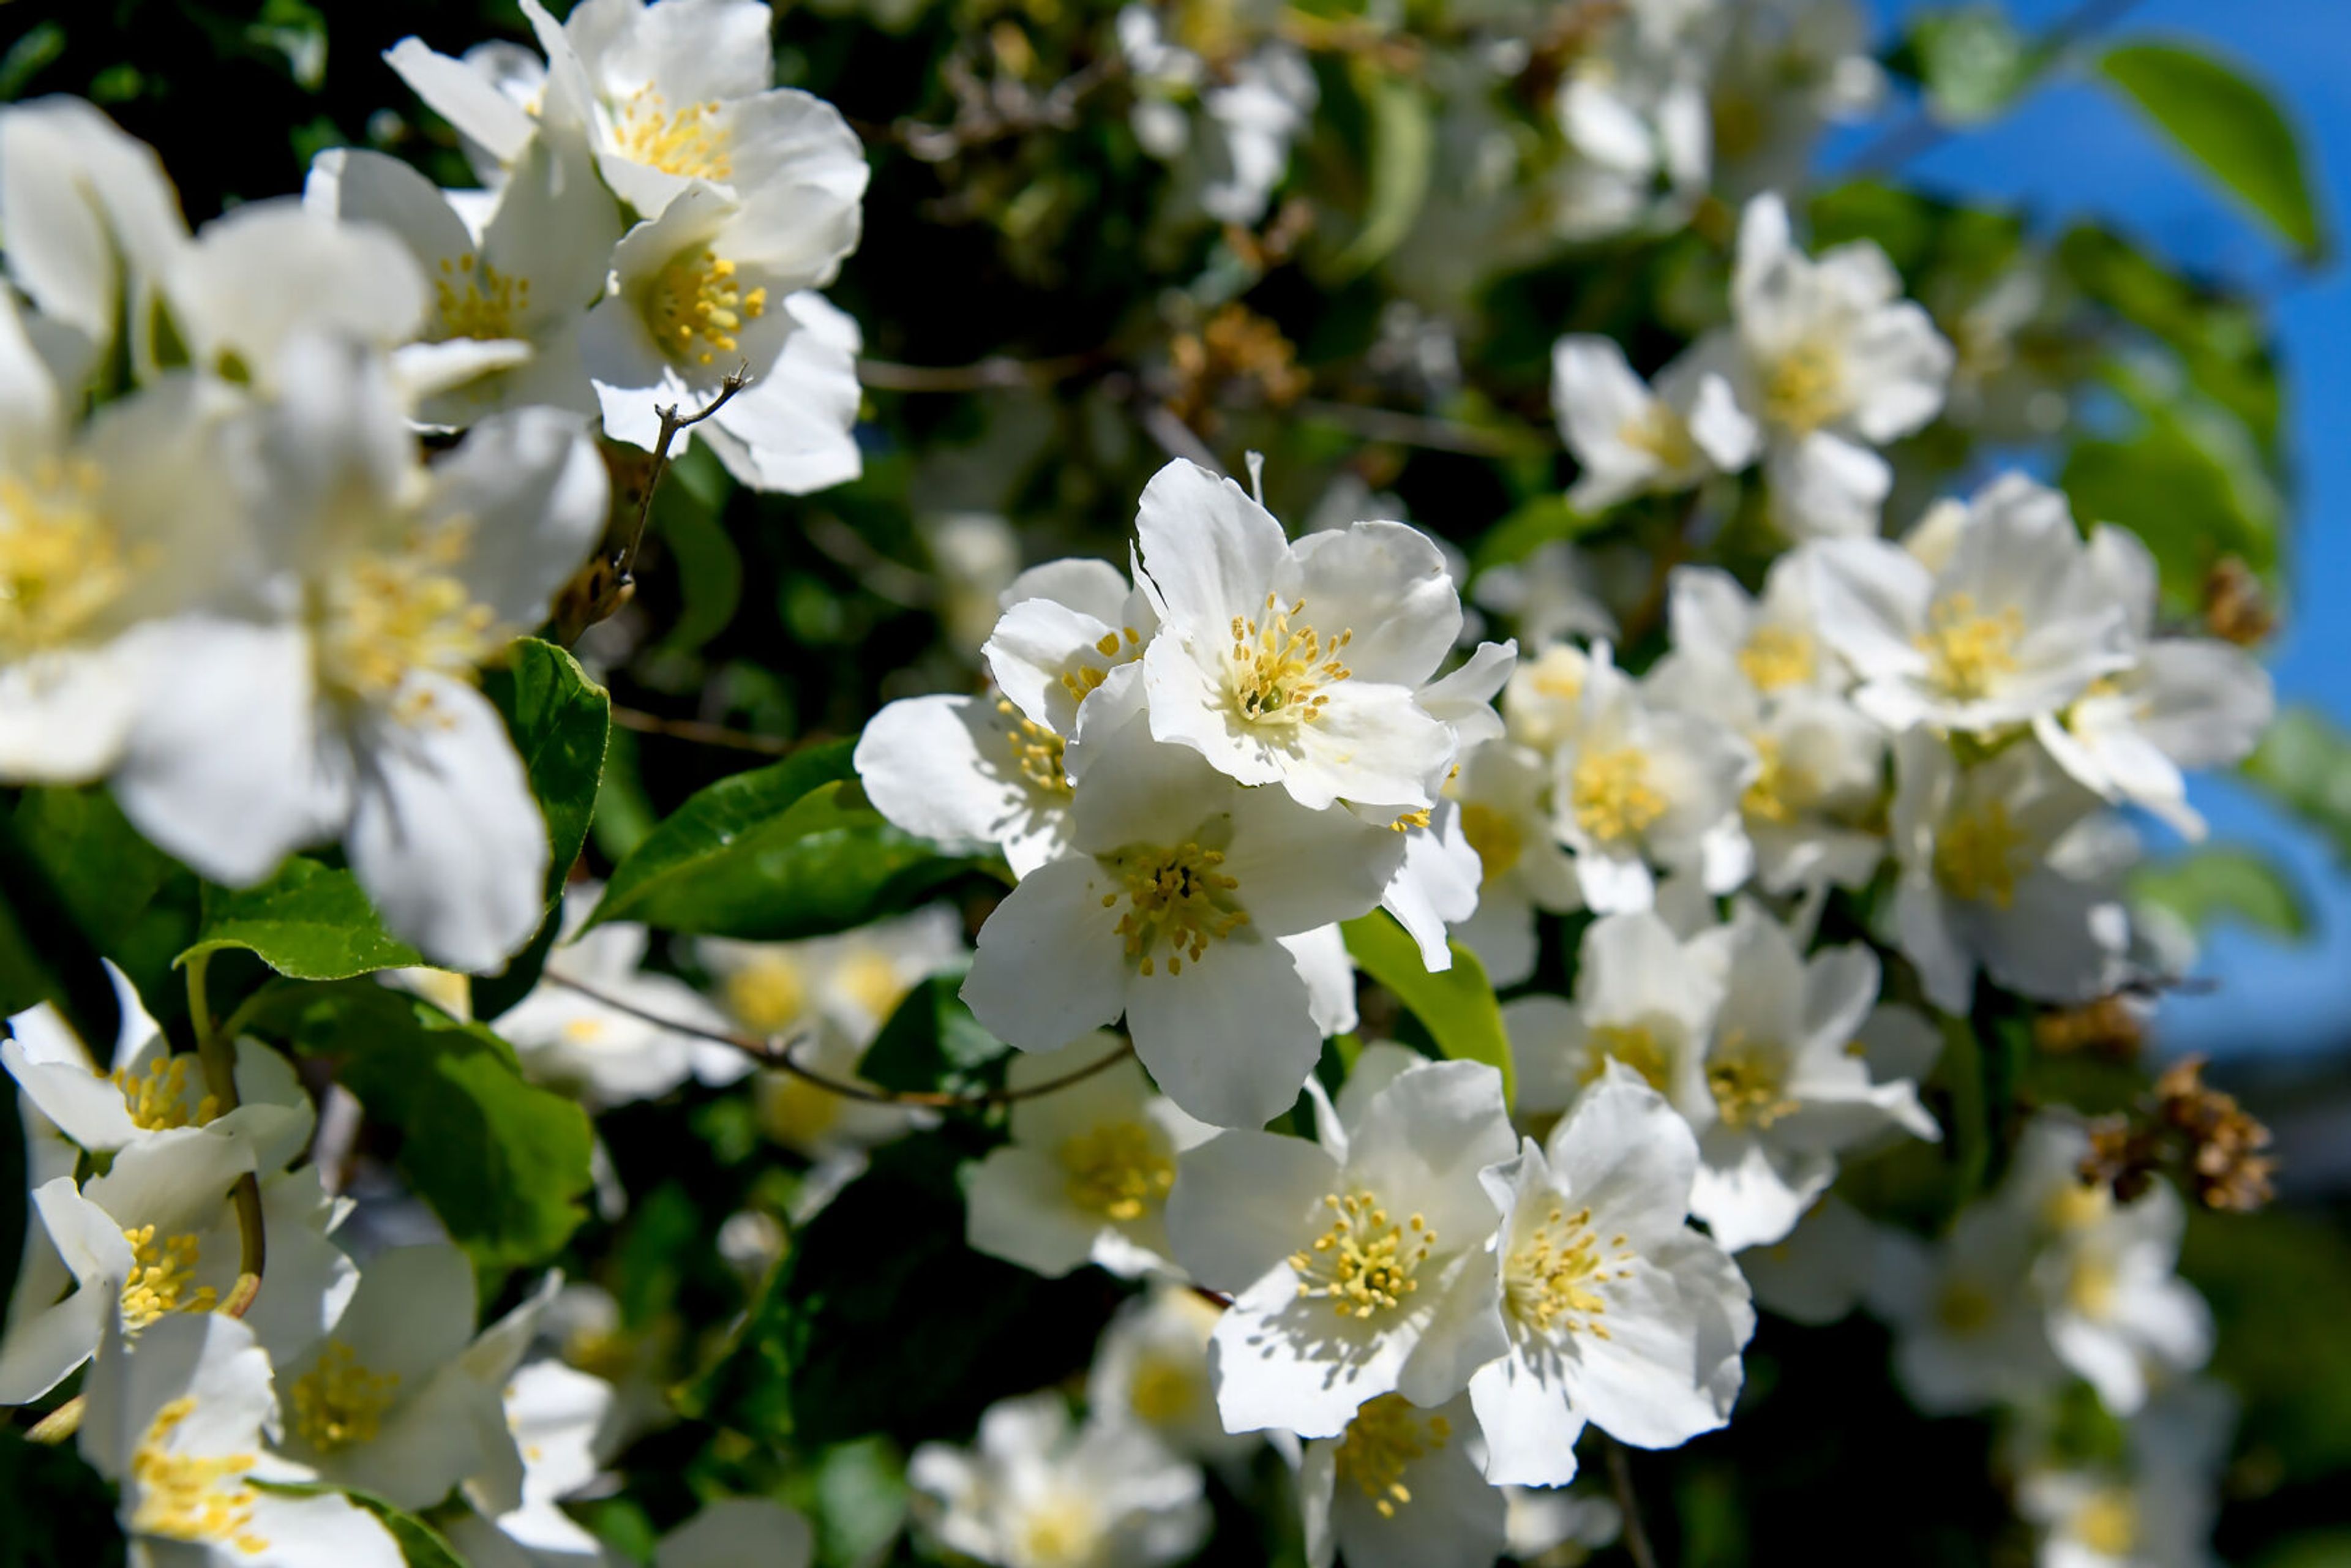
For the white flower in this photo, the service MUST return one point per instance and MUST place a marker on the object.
(738, 1532)
(1252, 119)
(1543, 1522)
(1357, 1265)
(2011, 624)
(1170, 912)
(1152, 1367)
(1643, 997)
(2183, 702)
(1834, 363)
(1295, 664)
(1036, 1491)
(524, 278)
(555, 1414)
(1989, 877)
(2154, 1510)
(1617, 1314)
(1630, 440)
(1633, 785)
(970, 773)
(714, 286)
(1398, 1489)
(1499, 798)
(1820, 1270)
(1773, 638)
(154, 1236)
(1086, 1173)
(1965, 1336)
(180, 1426)
(1067, 626)
(1787, 68)
(1550, 596)
(1790, 1092)
(381, 589)
(1436, 887)
(1632, 110)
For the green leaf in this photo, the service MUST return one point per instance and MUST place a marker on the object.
(1401, 150)
(1457, 1007)
(310, 922)
(503, 1163)
(2304, 763)
(2229, 125)
(1972, 62)
(932, 1042)
(1532, 525)
(2226, 882)
(780, 852)
(76, 881)
(562, 722)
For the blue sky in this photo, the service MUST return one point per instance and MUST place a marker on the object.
(2071, 149)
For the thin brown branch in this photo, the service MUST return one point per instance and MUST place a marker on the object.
(988, 111)
(777, 1053)
(1417, 430)
(997, 372)
(696, 731)
(1629, 1504)
(671, 423)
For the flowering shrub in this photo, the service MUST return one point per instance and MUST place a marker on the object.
(1276, 1033)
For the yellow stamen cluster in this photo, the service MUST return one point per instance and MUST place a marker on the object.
(161, 1273)
(1036, 750)
(1776, 657)
(696, 307)
(1804, 388)
(1748, 1081)
(766, 995)
(1967, 651)
(478, 301)
(1177, 899)
(2107, 1524)
(1634, 1044)
(1082, 681)
(1278, 670)
(2092, 1285)
(1494, 836)
(1164, 1389)
(1771, 796)
(1057, 1530)
(338, 1402)
(62, 564)
(1118, 1170)
(2076, 1206)
(689, 142)
(1383, 1439)
(157, 1099)
(1553, 1277)
(1364, 1263)
(871, 978)
(1611, 795)
(187, 1496)
(1980, 855)
(1661, 434)
(387, 615)
(1963, 1307)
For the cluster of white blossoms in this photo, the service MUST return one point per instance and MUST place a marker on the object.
(243, 536)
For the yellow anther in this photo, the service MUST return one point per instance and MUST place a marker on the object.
(1177, 900)
(2076, 1206)
(1277, 671)
(1551, 1278)
(1611, 795)
(2092, 1286)
(1408, 820)
(767, 994)
(1776, 657)
(695, 308)
(384, 616)
(869, 977)
(1364, 1263)
(188, 1497)
(162, 1279)
(62, 562)
(479, 302)
(1495, 836)
(338, 1402)
(1982, 855)
(157, 1099)
(1119, 1170)
(1804, 388)
(1779, 792)
(1748, 1081)
(2107, 1524)
(1662, 433)
(1164, 1389)
(1967, 651)
(1059, 1529)
(1634, 1044)
(1387, 1435)
(1036, 750)
(688, 142)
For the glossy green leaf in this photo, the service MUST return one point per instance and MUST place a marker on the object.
(503, 1163)
(1532, 525)
(2227, 882)
(2229, 125)
(783, 851)
(311, 921)
(1457, 1007)
(932, 1042)
(562, 722)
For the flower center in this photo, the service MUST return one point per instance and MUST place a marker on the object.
(1080, 682)
(1634, 1044)
(62, 564)
(1662, 434)
(157, 1099)
(1057, 1530)
(688, 142)
(338, 1402)
(478, 301)
(2090, 1286)
(872, 981)
(766, 995)
(1177, 899)
(1278, 669)
(1749, 1082)
(1036, 750)
(1117, 1170)
(1977, 856)
(161, 1274)
(1386, 1436)
(1611, 795)
(1164, 1390)
(1776, 657)
(1967, 651)
(796, 1113)
(696, 307)
(1804, 388)
(1364, 1263)
(1551, 1278)
(1778, 791)
(1963, 1307)
(1495, 836)
(2108, 1524)
(386, 615)
(188, 1497)
(2076, 1206)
